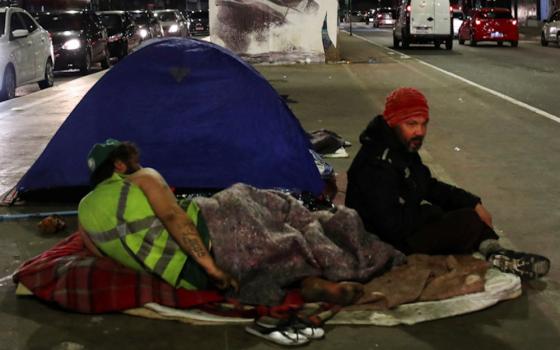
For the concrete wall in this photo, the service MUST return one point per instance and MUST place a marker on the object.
(280, 31)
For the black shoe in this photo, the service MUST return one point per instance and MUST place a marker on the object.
(524, 265)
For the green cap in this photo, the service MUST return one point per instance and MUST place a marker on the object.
(100, 152)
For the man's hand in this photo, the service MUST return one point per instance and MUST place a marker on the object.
(222, 280)
(484, 214)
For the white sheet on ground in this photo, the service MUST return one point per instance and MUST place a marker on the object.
(499, 286)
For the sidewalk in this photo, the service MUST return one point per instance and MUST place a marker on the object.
(339, 97)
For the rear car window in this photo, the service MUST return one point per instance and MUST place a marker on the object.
(199, 15)
(387, 13)
(140, 18)
(112, 21)
(496, 15)
(61, 22)
(2, 23)
(167, 16)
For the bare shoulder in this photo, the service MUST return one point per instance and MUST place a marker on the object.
(146, 177)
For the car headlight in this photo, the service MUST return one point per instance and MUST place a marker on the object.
(72, 44)
(143, 33)
(174, 28)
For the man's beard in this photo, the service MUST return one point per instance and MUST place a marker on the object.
(414, 144)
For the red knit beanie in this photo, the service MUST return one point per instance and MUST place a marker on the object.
(405, 103)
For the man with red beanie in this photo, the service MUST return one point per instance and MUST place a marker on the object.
(398, 199)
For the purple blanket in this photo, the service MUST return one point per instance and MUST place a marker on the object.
(269, 241)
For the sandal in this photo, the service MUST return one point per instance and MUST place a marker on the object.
(308, 330)
(280, 336)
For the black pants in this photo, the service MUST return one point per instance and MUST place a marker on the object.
(457, 232)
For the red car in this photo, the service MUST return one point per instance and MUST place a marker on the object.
(489, 24)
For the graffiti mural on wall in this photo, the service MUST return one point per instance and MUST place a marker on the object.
(274, 31)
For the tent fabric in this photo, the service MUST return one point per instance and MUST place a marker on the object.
(200, 115)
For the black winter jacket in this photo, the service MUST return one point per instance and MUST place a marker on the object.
(387, 186)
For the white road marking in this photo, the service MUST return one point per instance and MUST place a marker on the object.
(472, 83)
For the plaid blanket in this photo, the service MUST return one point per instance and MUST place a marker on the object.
(71, 277)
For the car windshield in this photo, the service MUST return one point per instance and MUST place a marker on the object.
(2, 22)
(167, 16)
(199, 15)
(112, 22)
(458, 15)
(496, 15)
(140, 17)
(60, 22)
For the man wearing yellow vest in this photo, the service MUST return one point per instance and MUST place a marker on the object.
(132, 216)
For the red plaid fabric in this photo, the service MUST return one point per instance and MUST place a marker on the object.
(71, 277)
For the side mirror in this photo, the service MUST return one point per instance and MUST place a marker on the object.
(19, 33)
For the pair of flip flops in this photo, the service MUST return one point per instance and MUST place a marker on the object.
(285, 332)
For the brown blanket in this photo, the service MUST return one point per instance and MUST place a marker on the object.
(424, 278)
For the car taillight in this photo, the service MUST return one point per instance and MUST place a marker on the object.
(477, 22)
(514, 22)
(408, 8)
(450, 8)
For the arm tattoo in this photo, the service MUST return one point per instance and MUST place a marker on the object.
(194, 246)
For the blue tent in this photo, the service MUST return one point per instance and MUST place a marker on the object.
(200, 115)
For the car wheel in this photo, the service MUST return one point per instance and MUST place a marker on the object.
(124, 51)
(461, 41)
(86, 64)
(472, 41)
(405, 43)
(106, 62)
(543, 40)
(395, 42)
(514, 43)
(449, 44)
(8, 90)
(49, 76)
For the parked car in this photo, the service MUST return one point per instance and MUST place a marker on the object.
(384, 17)
(26, 52)
(489, 24)
(173, 22)
(198, 22)
(123, 35)
(369, 16)
(458, 17)
(551, 29)
(423, 22)
(149, 26)
(79, 39)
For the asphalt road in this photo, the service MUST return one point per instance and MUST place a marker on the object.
(528, 73)
(500, 150)
(60, 77)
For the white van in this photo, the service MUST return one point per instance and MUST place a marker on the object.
(423, 21)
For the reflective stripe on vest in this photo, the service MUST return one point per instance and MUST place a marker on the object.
(155, 260)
